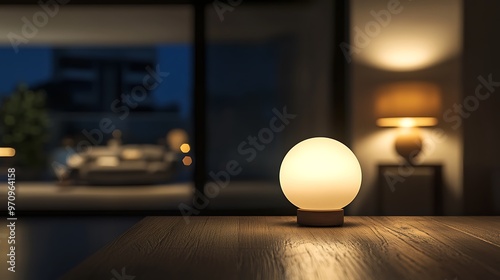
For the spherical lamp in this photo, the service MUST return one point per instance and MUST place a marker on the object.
(320, 176)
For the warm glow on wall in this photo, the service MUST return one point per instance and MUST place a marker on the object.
(405, 35)
(403, 54)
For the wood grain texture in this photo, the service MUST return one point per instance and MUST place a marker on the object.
(276, 248)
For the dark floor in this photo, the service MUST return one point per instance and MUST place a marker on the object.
(47, 247)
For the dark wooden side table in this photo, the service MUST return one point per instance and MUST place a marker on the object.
(405, 190)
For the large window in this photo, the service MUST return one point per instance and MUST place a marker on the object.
(257, 77)
(268, 87)
(145, 92)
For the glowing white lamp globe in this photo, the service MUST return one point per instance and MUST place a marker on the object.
(320, 176)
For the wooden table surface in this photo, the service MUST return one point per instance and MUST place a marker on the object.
(276, 248)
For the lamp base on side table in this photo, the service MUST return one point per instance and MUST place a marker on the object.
(330, 218)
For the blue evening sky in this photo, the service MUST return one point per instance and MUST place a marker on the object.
(33, 65)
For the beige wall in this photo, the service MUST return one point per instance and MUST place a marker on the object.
(417, 22)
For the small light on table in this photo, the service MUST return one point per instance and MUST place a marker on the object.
(320, 176)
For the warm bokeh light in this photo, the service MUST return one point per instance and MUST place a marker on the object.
(407, 104)
(176, 137)
(7, 152)
(185, 148)
(320, 174)
(187, 160)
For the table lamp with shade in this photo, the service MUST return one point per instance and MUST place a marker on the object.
(408, 105)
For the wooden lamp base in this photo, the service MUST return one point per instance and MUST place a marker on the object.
(409, 144)
(329, 218)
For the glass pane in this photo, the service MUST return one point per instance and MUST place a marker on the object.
(268, 73)
(99, 106)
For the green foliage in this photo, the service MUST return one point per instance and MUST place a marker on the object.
(24, 125)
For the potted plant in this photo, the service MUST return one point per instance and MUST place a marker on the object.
(24, 126)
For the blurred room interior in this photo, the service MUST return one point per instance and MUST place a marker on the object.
(97, 107)
(168, 108)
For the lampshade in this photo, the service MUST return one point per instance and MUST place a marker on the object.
(407, 104)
